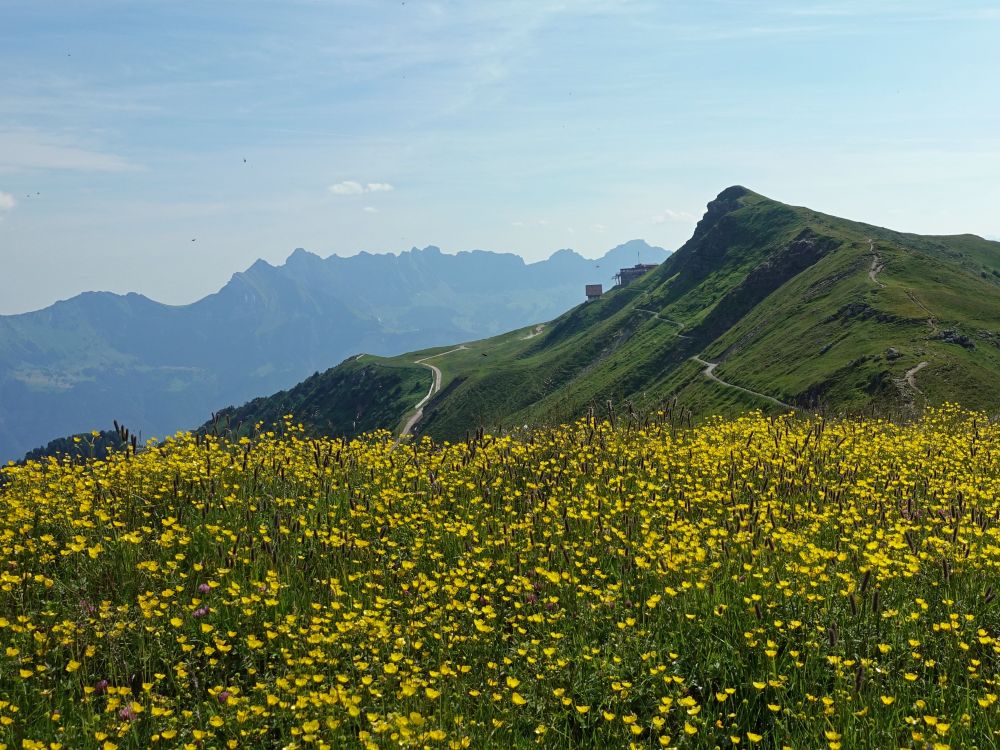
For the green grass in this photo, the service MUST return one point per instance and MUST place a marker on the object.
(354, 397)
(780, 295)
(793, 582)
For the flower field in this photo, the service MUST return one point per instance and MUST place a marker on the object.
(755, 582)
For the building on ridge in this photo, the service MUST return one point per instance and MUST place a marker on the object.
(594, 291)
(626, 276)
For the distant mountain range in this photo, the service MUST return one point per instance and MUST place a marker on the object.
(767, 306)
(80, 363)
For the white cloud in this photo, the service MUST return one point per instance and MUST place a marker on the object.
(29, 149)
(669, 215)
(7, 201)
(599, 227)
(370, 210)
(351, 187)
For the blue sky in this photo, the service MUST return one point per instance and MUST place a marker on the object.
(511, 126)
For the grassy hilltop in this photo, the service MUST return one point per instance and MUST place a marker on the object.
(802, 308)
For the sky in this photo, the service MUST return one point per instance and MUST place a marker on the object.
(159, 147)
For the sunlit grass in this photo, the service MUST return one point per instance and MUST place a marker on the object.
(752, 582)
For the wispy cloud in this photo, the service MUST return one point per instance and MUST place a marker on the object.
(22, 150)
(370, 210)
(719, 33)
(7, 201)
(919, 10)
(669, 215)
(350, 187)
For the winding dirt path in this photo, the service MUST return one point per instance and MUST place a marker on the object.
(537, 330)
(931, 320)
(877, 266)
(709, 372)
(910, 376)
(435, 387)
(680, 326)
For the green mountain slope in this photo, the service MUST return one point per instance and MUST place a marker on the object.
(781, 304)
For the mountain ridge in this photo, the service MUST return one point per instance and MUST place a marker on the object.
(765, 298)
(80, 363)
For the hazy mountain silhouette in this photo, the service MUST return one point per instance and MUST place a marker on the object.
(78, 364)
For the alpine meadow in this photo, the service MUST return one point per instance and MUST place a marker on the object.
(453, 375)
(750, 582)
(627, 577)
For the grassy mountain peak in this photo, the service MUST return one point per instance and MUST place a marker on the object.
(767, 306)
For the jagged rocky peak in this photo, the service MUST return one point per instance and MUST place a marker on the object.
(724, 203)
(301, 256)
(259, 265)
